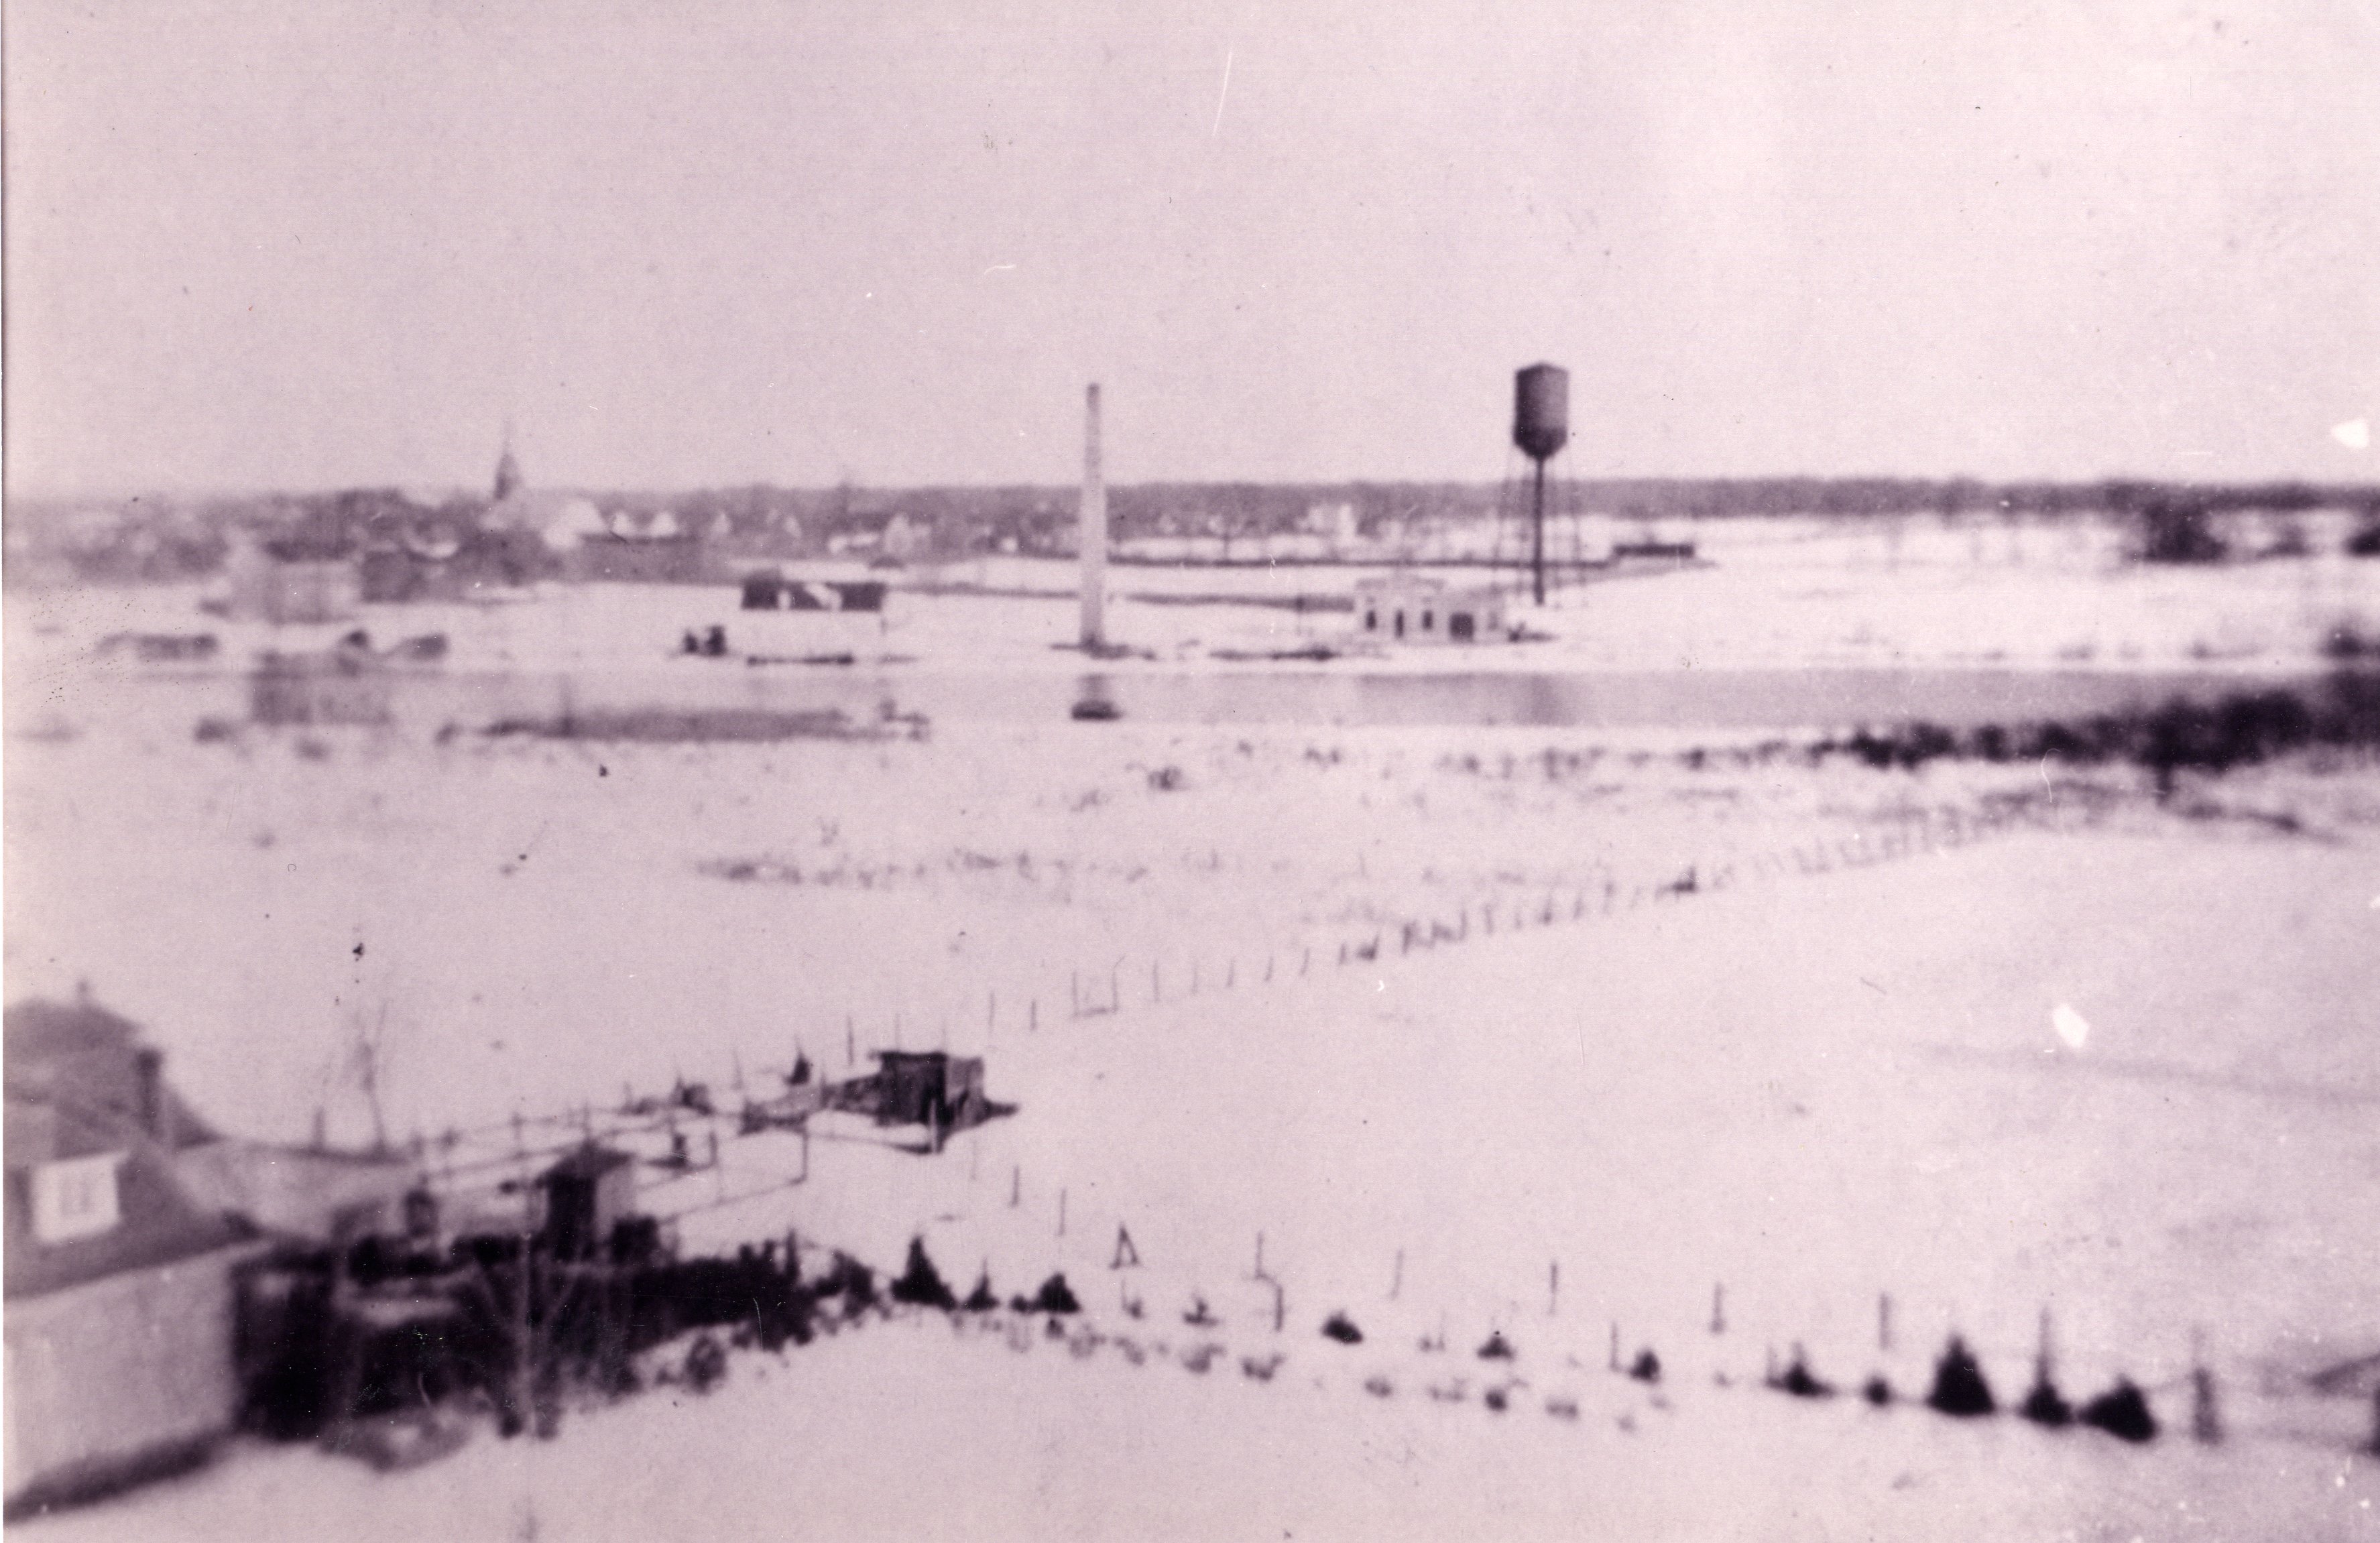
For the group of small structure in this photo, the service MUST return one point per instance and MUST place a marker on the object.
(166, 1284)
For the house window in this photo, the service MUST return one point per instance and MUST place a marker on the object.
(1427, 618)
(76, 1199)
(1371, 621)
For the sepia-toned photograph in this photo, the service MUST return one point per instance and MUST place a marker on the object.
(1055, 770)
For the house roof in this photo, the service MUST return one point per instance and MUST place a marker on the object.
(81, 1056)
(74, 1073)
(158, 1222)
(589, 1162)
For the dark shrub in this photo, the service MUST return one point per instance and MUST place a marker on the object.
(1496, 1347)
(1879, 1391)
(2045, 1406)
(1056, 1296)
(1959, 1385)
(981, 1299)
(2123, 1412)
(1872, 750)
(1338, 1326)
(1648, 1366)
(921, 1286)
(1799, 1381)
(2178, 530)
(706, 1363)
(850, 1280)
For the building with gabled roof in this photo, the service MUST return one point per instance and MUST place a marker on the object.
(119, 1283)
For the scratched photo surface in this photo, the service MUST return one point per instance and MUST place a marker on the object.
(1078, 771)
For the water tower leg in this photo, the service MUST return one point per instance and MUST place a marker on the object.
(1537, 538)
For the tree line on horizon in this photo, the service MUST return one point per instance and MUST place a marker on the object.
(180, 537)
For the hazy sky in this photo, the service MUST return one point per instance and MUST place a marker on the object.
(304, 245)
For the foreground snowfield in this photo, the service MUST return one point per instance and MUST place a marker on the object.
(1829, 1071)
(912, 1431)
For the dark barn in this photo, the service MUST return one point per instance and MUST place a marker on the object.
(588, 1194)
(921, 1087)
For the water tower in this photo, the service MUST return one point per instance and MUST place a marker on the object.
(1540, 428)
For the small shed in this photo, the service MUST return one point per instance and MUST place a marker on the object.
(769, 591)
(586, 1195)
(1418, 608)
(916, 1088)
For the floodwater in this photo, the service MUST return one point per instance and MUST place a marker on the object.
(1716, 700)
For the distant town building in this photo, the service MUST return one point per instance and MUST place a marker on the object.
(278, 582)
(508, 471)
(645, 557)
(119, 1284)
(927, 1086)
(905, 538)
(588, 1194)
(1418, 608)
(769, 591)
(1335, 523)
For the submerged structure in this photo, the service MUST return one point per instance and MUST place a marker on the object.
(1419, 607)
(348, 684)
(769, 591)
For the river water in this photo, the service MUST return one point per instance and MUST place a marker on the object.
(1779, 700)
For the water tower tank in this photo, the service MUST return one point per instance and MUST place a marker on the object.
(1541, 410)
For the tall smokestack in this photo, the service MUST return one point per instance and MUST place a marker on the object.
(1095, 527)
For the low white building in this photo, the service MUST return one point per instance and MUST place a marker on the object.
(1419, 607)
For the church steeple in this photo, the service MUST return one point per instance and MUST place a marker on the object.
(508, 471)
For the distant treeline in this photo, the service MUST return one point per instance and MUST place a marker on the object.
(2240, 729)
(161, 538)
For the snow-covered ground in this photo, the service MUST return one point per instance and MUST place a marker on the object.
(1555, 1099)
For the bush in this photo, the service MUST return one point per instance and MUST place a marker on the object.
(850, 1280)
(2176, 531)
(2045, 1406)
(1338, 1326)
(921, 1286)
(706, 1363)
(1959, 1385)
(2122, 1411)
(1799, 1381)
(2345, 641)
(1055, 1297)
